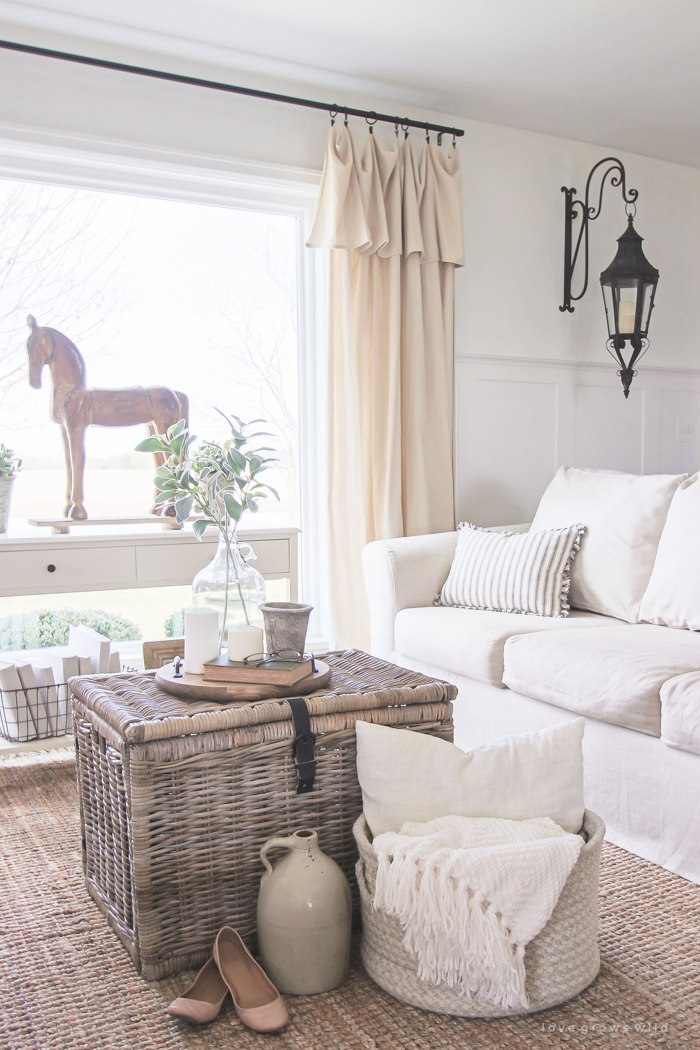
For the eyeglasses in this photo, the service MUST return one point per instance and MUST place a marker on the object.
(290, 655)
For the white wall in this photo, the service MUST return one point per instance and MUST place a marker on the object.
(523, 404)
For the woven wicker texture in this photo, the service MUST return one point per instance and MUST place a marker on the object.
(178, 798)
(67, 983)
(561, 961)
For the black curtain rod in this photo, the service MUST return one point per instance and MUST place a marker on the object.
(215, 85)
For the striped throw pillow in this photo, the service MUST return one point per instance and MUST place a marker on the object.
(510, 572)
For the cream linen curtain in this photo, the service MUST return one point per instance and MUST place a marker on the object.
(394, 224)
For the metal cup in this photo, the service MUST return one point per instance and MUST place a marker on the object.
(286, 624)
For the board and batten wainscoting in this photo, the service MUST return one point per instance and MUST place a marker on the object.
(519, 419)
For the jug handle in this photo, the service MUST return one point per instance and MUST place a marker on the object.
(285, 843)
(250, 556)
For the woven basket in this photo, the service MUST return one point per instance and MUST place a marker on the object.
(559, 963)
(178, 797)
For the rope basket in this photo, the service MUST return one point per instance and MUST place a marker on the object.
(559, 963)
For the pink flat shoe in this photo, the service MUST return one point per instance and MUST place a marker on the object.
(204, 999)
(258, 1003)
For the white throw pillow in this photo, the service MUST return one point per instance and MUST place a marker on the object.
(624, 515)
(406, 775)
(672, 598)
(511, 572)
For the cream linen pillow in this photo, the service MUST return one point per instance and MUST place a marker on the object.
(672, 598)
(406, 775)
(624, 515)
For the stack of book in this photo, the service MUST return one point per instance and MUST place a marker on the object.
(35, 699)
(258, 672)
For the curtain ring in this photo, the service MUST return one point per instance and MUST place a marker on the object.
(346, 118)
(334, 114)
(404, 128)
(371, 123)
(427, 133)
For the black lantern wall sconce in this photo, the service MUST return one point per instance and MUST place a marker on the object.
(629, 282)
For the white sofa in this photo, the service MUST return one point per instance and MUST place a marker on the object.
(636, 683)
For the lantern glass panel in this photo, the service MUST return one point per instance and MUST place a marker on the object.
(609, 300)
(648, 299)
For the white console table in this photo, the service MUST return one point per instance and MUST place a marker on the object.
(60, 564)
(64, 563)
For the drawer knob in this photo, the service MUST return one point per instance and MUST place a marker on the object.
(50, 568)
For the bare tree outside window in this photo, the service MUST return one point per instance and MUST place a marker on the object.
(55, 261)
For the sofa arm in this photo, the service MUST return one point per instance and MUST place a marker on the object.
(407, 573)
(403, 573)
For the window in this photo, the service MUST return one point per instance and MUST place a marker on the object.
(198, 298)
(191, 272)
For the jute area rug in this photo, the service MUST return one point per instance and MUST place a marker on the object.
(67, 983)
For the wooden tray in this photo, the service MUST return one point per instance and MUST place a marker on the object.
(193, 686)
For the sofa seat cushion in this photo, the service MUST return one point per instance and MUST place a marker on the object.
(471, 641)
(614, 674)
(680, 712)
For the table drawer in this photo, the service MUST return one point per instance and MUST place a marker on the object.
(172, 563)
(45, 571)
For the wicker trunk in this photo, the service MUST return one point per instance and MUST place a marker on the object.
(177, 798)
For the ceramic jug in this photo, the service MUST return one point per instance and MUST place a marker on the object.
(304, 917)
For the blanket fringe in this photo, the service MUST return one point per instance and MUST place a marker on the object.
(457, 937)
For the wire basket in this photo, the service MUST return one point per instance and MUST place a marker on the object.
(35, 713)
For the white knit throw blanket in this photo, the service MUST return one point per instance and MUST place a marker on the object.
(470, 893)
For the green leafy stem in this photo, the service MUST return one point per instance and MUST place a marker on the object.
(216, 482)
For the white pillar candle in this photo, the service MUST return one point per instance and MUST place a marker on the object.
(626, 316)
(244, 640)
(201, 638)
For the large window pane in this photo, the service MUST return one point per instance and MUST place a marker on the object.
(153, 292)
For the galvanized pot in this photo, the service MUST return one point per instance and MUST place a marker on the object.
(286, 624)
(5, 494)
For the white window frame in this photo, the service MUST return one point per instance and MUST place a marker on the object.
(109, 165)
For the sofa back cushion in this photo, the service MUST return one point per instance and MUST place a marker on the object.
(511, 573)
(406, 775)
(672, 597)
(624, 515)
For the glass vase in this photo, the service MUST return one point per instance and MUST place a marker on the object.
(231, 585)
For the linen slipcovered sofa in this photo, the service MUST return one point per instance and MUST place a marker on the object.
(627, 657)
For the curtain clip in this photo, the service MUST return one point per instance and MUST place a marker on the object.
(334, 114)
(345, 122)
(454, 142)
(396, 128)
(427, 133)
(404, 128)
(371, 120)
(439, 138)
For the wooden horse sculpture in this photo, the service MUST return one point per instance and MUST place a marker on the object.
(76, 407)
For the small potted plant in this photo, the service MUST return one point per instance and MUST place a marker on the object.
(10, 467)
(218, 482)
